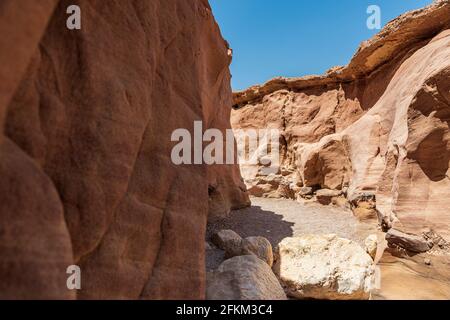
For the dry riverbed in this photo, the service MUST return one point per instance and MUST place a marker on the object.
(276, 219)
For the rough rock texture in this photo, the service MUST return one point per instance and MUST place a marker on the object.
(409, 242)
(244, 278)
(85, 168)
(324, 267)
(260, 247)
(405, 277)
(371, 245)
(438, 242)
(379, 125)
(233, 245)
(324, 196)
(364, 206)
(228, 241)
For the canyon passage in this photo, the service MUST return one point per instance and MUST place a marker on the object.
(358, 207)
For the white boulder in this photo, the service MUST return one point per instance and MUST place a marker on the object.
(324, 267)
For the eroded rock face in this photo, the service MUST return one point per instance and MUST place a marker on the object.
(244, 278)
(324, 267)
(86, 172)
(233, 245)
(371, 245)
(35, 246)
(324, 196)
(409, 242)
(377, 126)
(260, 247)
(228, 241)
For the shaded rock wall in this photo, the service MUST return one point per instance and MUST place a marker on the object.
(85, 167)
(378, 125)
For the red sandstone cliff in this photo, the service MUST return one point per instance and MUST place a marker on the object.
(85, 169)
(379, 125)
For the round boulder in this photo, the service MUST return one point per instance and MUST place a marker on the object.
(260, 247)
(244, 278)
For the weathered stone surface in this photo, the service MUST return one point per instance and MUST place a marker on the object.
(356, 198)
(377, 126)
(340, 201)
(284, 191)
(35, 246)
(86, 126)
(393, 41)
(229, 241)
(365, 214)
(364, 206)
(409, 277)
(306, 191)
(244, 278)
(258, 246)
(233, 245)
(22, 32)
(371, 245)
(438, 242)
(325, 196)
(407, 241)
(324, 267)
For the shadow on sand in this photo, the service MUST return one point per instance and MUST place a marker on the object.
(253, 221)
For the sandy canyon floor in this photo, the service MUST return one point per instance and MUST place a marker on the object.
(277, 219)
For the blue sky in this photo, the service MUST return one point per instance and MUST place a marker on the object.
(293, 38)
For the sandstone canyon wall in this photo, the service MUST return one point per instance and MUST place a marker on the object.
(379, 126)
(85, 169)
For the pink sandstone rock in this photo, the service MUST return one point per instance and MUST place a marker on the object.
(85, 167)
(378, 125)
